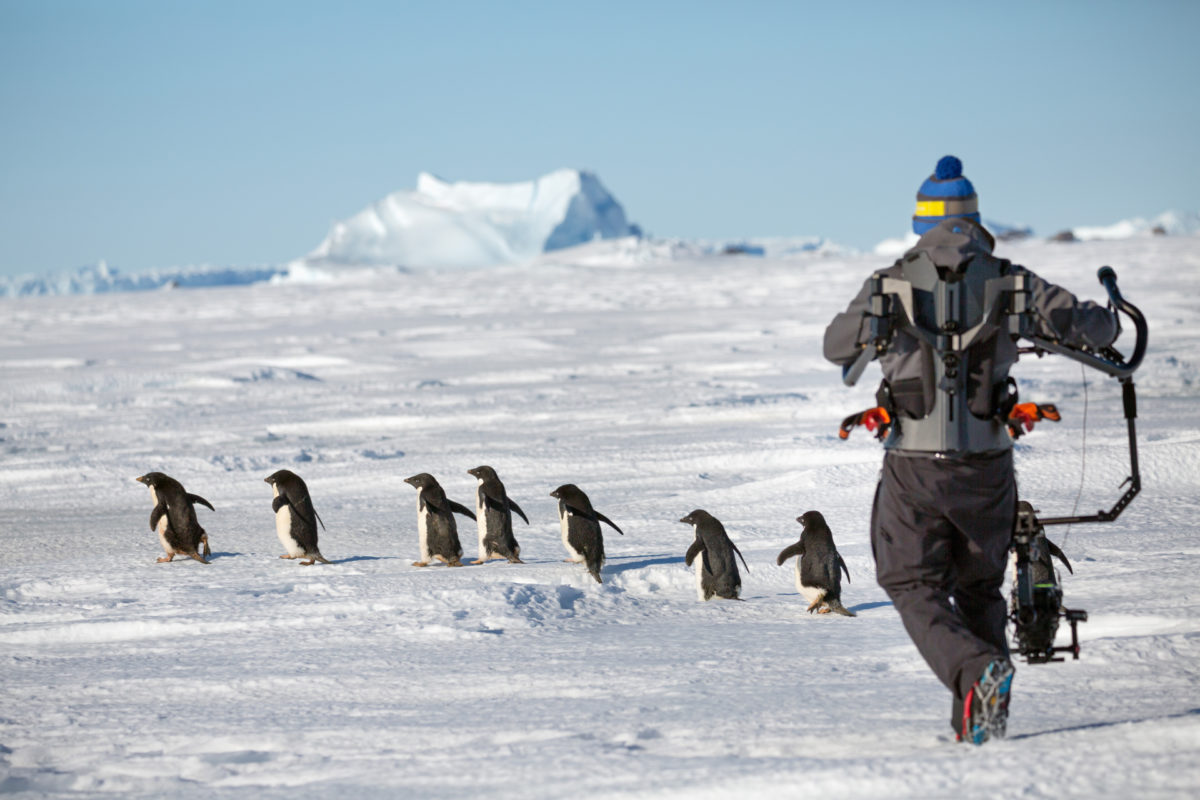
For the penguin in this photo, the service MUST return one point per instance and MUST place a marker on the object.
(174, 517)
(436, 530)
(716, 571)
(493, 514)
(295, 518)
(580, 525)
(1042, 568)
(819, 566)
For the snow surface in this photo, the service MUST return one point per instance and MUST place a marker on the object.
(657, 383)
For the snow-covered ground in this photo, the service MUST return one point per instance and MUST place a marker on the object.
(658, 384)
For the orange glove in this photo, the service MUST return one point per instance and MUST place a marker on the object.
(871, 419)
(1024, 415)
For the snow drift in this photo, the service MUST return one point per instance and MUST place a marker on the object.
(458, 225)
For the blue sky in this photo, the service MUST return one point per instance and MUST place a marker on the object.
(168, 133)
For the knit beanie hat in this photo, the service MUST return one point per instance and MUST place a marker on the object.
(945, 193)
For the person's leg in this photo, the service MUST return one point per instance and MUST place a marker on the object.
(913, 546)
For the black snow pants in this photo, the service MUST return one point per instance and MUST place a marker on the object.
(940, 533)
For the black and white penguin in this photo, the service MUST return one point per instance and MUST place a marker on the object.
(493, 514)
(174, 517)
(580, 525)
(819, 566)
(436, 530)
(1042, 567)
(717, 571)
(295, 518)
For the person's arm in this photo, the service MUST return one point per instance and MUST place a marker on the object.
(849, 329)
(1061, 315)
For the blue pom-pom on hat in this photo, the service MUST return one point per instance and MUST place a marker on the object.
(948, 167)
(945, 194)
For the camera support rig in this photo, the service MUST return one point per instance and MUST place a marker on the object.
(1037, 597)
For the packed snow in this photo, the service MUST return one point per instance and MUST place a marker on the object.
(659, 381)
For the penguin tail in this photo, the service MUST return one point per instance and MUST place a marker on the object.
(836, 607)
(595, 573)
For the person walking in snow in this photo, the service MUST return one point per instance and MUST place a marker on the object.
(945, 506)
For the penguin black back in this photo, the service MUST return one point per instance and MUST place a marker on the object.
(820, 566)
(717, 573)
(436, 529)
(494, 510)
(296, 518)
(174, 517)
(580, 524)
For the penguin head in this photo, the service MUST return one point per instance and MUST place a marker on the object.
(153, 479)
(812, 519)
(696, 517)
(421, 480)
(565, 491)
(484, 473)
(281, 477)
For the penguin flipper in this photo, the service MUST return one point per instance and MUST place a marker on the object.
(693, 551)
(1057, 552)
(611, 524)
(459, 509)
(156, 515)
(513, 506)
(195, 498)
(791, 550)
(845, 569)
(739, 553)
(279, 502)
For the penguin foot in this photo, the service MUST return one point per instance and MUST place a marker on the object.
(165, 558)
(479, 561)
(204, 539)
(307, 563)
(824, 610)
(420, 563)
(455, 563)
(285, 555)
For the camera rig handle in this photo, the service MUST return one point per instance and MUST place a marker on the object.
(1112, 363)
(1108, 361)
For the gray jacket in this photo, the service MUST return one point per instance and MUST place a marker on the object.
(952, 246)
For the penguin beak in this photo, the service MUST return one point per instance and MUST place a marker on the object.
(141, 479)
(268, 480)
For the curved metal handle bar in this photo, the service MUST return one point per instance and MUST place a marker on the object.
(1108, 278)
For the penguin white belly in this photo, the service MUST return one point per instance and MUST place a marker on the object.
(812, 594)
(161, 528)
(699, 562)
(283, 528)
(481, 523)
(564, 522)
(422, 529)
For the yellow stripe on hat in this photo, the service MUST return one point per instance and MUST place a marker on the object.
(931, 208)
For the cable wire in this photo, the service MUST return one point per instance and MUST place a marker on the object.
(1082, 452)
